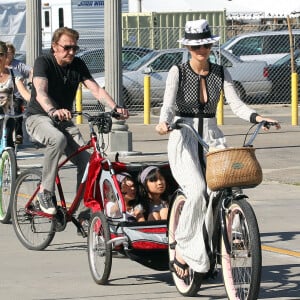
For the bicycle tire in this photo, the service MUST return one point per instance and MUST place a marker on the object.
(33, 231)
(195, 279)
(241, 268)
(8, 175)
(99, 252)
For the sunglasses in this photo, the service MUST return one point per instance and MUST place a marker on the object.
(75, 48)
(206, 46)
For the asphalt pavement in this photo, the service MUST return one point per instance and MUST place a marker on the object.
(61, 271)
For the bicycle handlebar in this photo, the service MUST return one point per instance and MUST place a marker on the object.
(180, 123)
(102, 120)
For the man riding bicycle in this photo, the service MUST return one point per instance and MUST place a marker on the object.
(56, 77)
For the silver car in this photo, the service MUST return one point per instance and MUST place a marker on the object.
(250, 81)
(247, 76)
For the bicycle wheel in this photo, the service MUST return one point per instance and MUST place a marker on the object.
(194, 283)
(99, 252)
(241, 268)
(35, 232)
(8, 174)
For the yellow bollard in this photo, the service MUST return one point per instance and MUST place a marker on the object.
(147, 99)
(79, 103)
(220, 110)
(294, 94)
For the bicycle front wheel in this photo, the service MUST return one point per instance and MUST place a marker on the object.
(99, 251)
(8, 174)
(241, 267)
(34, 231)
(191, 286)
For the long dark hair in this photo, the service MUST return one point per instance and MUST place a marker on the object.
(149, 174)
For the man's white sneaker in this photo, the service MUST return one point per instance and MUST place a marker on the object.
(46, 203)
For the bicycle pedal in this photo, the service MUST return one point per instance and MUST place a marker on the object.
(82, 232)
(60, 219)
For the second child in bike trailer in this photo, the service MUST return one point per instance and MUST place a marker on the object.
(152, 188)
(10, 80)
(192, 93)
(56, 77)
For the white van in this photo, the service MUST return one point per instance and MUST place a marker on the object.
(264, 45)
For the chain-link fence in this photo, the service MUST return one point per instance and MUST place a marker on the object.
(258, 62)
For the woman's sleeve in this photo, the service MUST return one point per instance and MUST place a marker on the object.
(238, 107)
(168, 108)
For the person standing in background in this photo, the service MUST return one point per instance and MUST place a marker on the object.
(9, 80)
(26, 72)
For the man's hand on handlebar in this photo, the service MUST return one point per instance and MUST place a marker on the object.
(123, 112)
(62, 114)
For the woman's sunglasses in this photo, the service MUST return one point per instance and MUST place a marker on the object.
(206, 46)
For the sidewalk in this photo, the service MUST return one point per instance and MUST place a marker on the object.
(277, 151)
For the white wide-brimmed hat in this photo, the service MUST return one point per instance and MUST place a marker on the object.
(198, 33)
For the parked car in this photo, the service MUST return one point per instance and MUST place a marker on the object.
(279, 74)
(156, 64)
(94, 58)
(247, 76)
(268, 46)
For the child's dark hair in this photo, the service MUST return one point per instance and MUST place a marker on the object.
(148, 174)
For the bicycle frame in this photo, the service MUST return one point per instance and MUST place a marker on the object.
(90, 181)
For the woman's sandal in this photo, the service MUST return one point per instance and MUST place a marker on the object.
(184, 267)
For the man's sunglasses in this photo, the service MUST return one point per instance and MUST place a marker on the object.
(75, 48)
(206, 46)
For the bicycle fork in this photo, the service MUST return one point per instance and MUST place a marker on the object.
(224, 212)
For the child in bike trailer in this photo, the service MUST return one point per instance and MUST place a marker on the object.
(152, 188)
(134, 210)
(192, 93)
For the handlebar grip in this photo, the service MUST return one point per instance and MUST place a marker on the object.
(176, 124)
(115, 114)
(268, 124)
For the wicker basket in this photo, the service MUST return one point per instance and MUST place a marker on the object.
(232, 167)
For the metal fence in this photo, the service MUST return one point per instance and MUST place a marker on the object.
(261, 78)
(265, 79)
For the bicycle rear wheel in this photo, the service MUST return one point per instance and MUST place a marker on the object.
(241, 268)
(35, 232)
(194, 283)
(8, 174)
(99, 252)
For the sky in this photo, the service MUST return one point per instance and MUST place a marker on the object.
(267, 6)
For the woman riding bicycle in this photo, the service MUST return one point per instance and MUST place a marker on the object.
(192, 93)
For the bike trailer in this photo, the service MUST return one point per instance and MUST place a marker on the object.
(147, 243)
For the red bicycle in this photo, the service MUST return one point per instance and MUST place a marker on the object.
(36, 229)
(144, 242)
